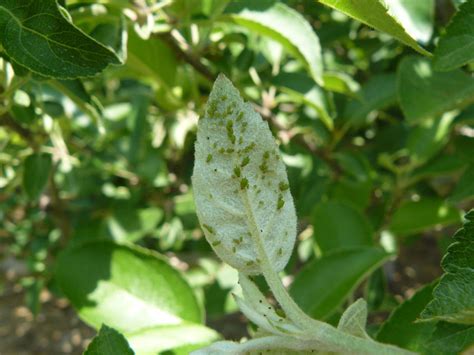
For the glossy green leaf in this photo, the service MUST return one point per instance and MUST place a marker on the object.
(456, 47)
(415, 217)
(36, 35)
(324, 284)
(240, 184)
(377, 93)
(376, 14)
(36, 173)
(401, 327)
(108, 342)
(179, 338)
(416, 17)
(283, 24)
(128, 288)
(338, 225)
(453, 298)
(424, 93)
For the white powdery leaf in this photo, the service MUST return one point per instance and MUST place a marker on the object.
(240, 184)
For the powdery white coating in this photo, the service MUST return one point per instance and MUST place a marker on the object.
(240, 184)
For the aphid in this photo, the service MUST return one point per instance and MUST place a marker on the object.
(209, 158)
(216, 243)
(283, 186)
(245, 161)
(248, 148)
(244, 183)
(280, 202)
(209, 228)
(237, 171)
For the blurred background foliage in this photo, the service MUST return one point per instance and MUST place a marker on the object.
(378, 145)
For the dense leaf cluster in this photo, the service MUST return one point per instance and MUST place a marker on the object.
(371, 106)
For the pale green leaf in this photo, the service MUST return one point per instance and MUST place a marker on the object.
(108, 342)
(424, 93)
(456, 46)
(36, 35)
(283, 24)
(453, 298)
(354, 319)
(240, 184)
(375, 13)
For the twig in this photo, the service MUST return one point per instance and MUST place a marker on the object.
(9, 122)
(186, 55)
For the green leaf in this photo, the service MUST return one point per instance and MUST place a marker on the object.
(180, 337)
(128, 223)
(283, 24)
(341, 83)
(453, 298)
(416, 216)
(125, 287)
(456, 47)
(424, 93)
(450, 339)
(401, 327)
(416, 17)
(240, 184)
(142, 63)
(427, 139)
(324, 284)
(465, 187)
(75, 90)
(37, 36)
(338, 225)
(377, 93)
(35, 174)
(108, 342)
(304, 90)
(376, 14)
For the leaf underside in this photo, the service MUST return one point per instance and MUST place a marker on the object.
(240, 184)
